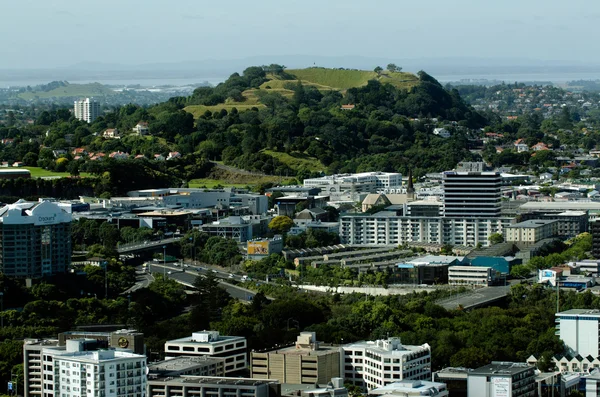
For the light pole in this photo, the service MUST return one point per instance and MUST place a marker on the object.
(164, 262)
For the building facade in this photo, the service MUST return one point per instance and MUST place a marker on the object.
(35, 239)
(502, 379)
(375, 364)
(471, 192)
(212, 387)
(579, 329)
(471, 275)
(307, 362)
(531, 231)
(210, 343)
(86, 110)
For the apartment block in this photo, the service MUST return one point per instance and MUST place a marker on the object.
(87, 110)
(532, 231)
(502, 378)
(209, 343)
(579, 329)
(375, 364)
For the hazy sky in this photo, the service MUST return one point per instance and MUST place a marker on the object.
(49, 33)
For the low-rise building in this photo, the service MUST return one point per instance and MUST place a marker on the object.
(210, 343)
(111, 133)
(531, 231)
(498, 378)
(187, 365)
(212, 387)
(306, 362)
(471, 275)
(260, 248)
(378, 363)
(410, 388)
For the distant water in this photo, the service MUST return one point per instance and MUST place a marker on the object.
(121, 82)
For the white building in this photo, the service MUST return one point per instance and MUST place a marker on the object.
(86, 110)
(471, 275)
(378, 363)
(210, 343)
(441, 132)
(579, 330)
(141, 128)
(340, 185)
(411, 388)
(502, 379)
(71, 371)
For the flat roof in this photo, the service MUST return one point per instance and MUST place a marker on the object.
(323, 350)
(212, 380)
(221, 338)
(501, 368)
(372, 345)
(580, 312)
(183, 362)
(561, 205)
(532, 223)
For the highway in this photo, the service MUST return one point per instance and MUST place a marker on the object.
(476, 298)
(187, 276)
(143, 280)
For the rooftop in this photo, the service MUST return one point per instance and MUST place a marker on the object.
(580, 312)
(501, 368)
(182, 363)
(532, 223)
(213, 380)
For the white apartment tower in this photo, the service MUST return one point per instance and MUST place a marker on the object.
(86, 110)
(72, 371)
(471, 192)
(378, 363)
(579, 329)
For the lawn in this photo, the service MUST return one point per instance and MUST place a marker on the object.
(297, 160)
(211, 183)
(37, 172)
(344, 79)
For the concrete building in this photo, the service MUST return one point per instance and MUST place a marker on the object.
(531, 231)
(260, 248)
(210, 343)
(595, 230)
(579, 329)
(375, 364)
(35, 239)
(86, 110)
(502, 379)
(455, 379)
(307, 362)
(335, 388)
(233, 227)
(212, 387)
(185, 365)
(471, 275)
(471, 192)
(79, 368)
(124, 339)
(570, 223)
(410, 388)
(356, 186)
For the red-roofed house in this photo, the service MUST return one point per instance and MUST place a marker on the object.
(521, 146)
(348, 107)
(539, 146)
(140, 156)
(119, 155)
(173, 155)
(8, 141)
(79, 151)
(159, 157)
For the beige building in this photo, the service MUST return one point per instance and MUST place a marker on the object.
(532, 231)
(307, 362)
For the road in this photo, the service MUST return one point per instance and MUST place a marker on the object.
(144, 245)
(188, 277)
(478, 297)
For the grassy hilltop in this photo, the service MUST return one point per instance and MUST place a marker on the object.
(323, 79)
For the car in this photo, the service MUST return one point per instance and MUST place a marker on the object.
(169, 272)
(214, 271)
(231, 275)
(186, 265)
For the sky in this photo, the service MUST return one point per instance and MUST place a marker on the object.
(59, 33)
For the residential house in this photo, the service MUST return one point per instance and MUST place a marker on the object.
(140, 156)
(173, 155)
(79, 151)
(111, 133)
(7, 141)
(499, 149)
(18, 164)
(348, 107)
(441, 132)
(119, 155)
(159, 157)
(521, 146)
(539, 146)
(59, 152)
(141, 128)
(97, 156)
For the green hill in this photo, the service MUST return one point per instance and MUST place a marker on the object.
(297, 160)
(70, 90)
(342, 79)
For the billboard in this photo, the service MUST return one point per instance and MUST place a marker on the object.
(258, 247)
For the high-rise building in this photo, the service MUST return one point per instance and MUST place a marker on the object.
(378, 363)
(86, 110)
(35, 239)
(579, 329)
(471, 192)
(80, 369)
(502, 379)
(595, 229)
(210, 343)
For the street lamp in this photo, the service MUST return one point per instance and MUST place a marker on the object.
(164, 262)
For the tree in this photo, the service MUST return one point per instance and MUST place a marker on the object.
(378, 69)
(393, 68)
(496, 238)
(281, 224)
(521, 271)
(209, 301)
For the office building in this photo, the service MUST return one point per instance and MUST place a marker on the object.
(471, 275)
(531, 231)
(86, 110)
(378, 363)
(210, 343)
(595, 230)
(212, 387)
(471, 192)
(79, 369)
(35, 239)
(307, 362)
(579, 329)
(123, 339)
(368, 182)
(261, 248)
(455, 379)
(502, 379)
